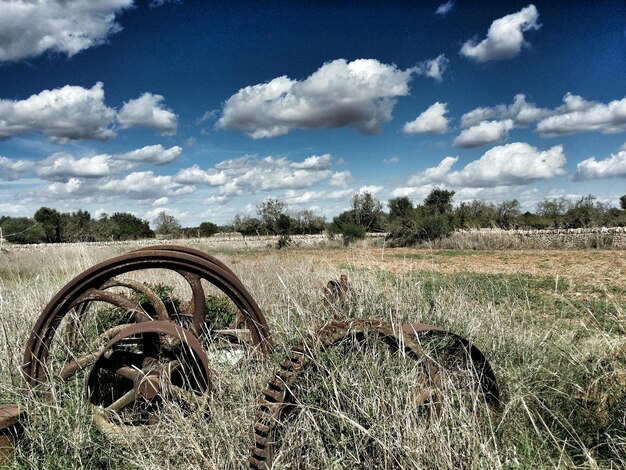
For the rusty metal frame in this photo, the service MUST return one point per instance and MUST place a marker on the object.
(279, 392)
(182, 260)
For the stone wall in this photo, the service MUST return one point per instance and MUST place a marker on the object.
(600, 237)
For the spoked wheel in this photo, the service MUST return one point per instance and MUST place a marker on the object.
(437, 353)
(143, 367)
(87, 324)
(278, 397)
(458, 364)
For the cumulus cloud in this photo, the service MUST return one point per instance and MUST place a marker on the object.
(13, 169)
(77, 113)
(30, 28)
(147, 111)
(359, 94)
(251, 174)
(611, 167)
(196, 175)
(340, 179)
(67, 113)
(505, 37)
(505, 165)
(487, 132)
(579, 115)
(155, 154)
(433, 68)
(145, 185)
(444, 8)
(520, 111)
(64, 166)
(433, 120)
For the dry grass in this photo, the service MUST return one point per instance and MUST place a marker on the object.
(557, 344)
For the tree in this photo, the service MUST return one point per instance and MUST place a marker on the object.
(306, 222)
(553, 209)
(247, 225)
(126, 226)
(269, 212)
(507, 212)
(77, 226)
(166, 224)
(439, 201)
(622, 202)
(400, 208)
(50, 221)
(367, 211)
(22, 230)
(207, 229)
(584, 211)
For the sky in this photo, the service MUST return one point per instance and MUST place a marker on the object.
(205, 109)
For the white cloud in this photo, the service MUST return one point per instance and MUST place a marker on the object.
(196, 175)
(437, 174)
(156, 154)
(505, 37)
(444, 8)
(147, 111)
(71, 112)
(520, 111)
(76, 113)
(434, 68)
(504, 165)
(313, 162)
(340, 179)
(162, 201)
(359, 94)
(13, 169)
(250, 175)
(372, 189)
(611, 167)
(293, 197)
(579, 115)
(145, 185)
(433, 120)
(487, 132)
(30, 28)
(391, 160)
(339, 194)
(63, 166)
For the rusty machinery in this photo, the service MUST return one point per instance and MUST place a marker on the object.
(158, 354)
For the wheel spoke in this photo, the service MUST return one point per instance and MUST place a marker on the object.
(155, 301)
(138, 313)
(197, 305)
(123, 401)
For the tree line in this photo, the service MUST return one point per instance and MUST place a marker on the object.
(404, 222)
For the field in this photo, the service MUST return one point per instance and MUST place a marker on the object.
(552, 323)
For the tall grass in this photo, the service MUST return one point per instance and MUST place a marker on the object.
(562, 372)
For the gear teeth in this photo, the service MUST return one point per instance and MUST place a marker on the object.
(258, 440)
(256, 464)
(261, 428)
(273, 396)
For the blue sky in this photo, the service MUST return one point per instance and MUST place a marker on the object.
(204, 109)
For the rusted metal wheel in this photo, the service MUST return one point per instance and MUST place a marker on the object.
(454, 353)
(279, 394)
(409, 339)
(97, 285)
(144, 366)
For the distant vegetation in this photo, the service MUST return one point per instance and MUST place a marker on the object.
(405, 223)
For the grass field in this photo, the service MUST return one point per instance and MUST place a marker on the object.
(552, 324)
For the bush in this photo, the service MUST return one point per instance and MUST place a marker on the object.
(352, 232)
